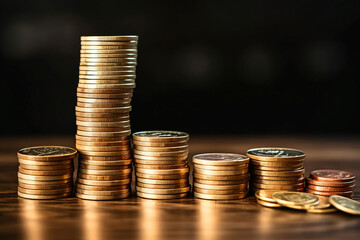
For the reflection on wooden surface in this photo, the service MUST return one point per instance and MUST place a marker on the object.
(189, 218)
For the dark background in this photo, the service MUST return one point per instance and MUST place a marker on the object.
(205, 67)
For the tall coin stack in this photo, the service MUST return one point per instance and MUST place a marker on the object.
(106, 82)
(161, 165)
(328, 182)
(46, 172)
(220, 176)
(275, 169)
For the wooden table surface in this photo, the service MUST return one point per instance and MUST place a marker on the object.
(188, 218)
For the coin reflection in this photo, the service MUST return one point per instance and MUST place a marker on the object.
(149, 225)
(32, 220)
(92, 225)
(207, 223)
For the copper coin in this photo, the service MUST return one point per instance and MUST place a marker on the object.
(45, 168)
(329, 184)
(102, 197)
(103, 178)
(162, 181)
(104, 182)
(160, 163)
(126, 99)
(160, 136)
(45, 163)
(222, 167)
(162, 186)
(44, 197)
(160, 144)
(46, 173)
(45, 182)
(103, 148)
(292, 173)
(153, 166)
(331, 175)
(47, 153)
(162, 149)
(161, 177)
(102, 193)
(44, 192)
(277, 164)
(327, 194)
(221, 177)
(221, 182)
(219, 192)
(221, 172)
(44, 186)
(119, 124)
(157, 158)
(220, 159)
(102, 188)
(105, 158)
(275, 154)
(101, 139)
(221, 187)
(277, 178)
(331, 189)
(104, 163)
(279, 182)
(103, 144)
(104, 154)
(265, 168)
(124, 117)
(104, 167)
(103, 105)
(123, 171)
(104, 93)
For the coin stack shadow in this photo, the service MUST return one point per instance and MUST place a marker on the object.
(44, 176)
(275, 169)
(107, 75)
(331, 182)
(162, 170)
(221, 176)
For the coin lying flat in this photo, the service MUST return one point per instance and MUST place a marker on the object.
(96, 197)
(220, 192)
(330, 184)
(110, 38)
(268, 204)
(161, 196)
(162, 186)
(163, 190)
(104, 182)
(103, 193)
(220, 159)
(50, 153)
(222, 167)
(332, 175)
(45, 167)
(163, 171)
(219, 197)
(107, 163)
(44, 178)
(221, 172)
(109, 51)
(45, 191)
(331, 189)
(90, 47)
(220, 177)
(160, 144)
(44, 197)
(275, 154)
(46, 172)
(345, 204)
(294, 198)
(102, 188)
(221, 182)
(41, 186)
(163, 166)
(220, 187)
(328, 194)
(45, 183)
(161, 177)
(160, 136)
(161, 181)
(45, 163)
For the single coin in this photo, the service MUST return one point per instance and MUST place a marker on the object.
(161, 177)
(46, 173)
(103, 149)
(44, 178)
(101, 100)
(102, 188)
(110, 68)
(162, 149)
(293, 173)
(295, 198)
(104, 110)
(222, 167)
(47, 153)
(110, 43)
(160, 136)
(262, 168)
(113, 51)
(160, 144)
(103, 178)
(104, 129)
(221, 182)
(221, 187)
(95, 197)
(220, 197)
(277, 178)
(101, 139)
(110, 38)
(104, 134)
(331, 189)
(106, 158)
(163, 171)
(161, 196)
(277, 164)
(162, 181)
(102, 105)
(161, 154)
(106, 172)
(125, 143)
(267, 203)
(44, 192)
(45, 168)
(45, 183)
(221, 173)
(163, 163)
(219, 192)
(104, 182)
(171, 158)
(221, 177)
(103, 193)
(89, 47)
(332, 175)
(107, 163)
(154, 166)
(265, 195)
(163, 190)
(328, 194)
(323, 203)
(321, 210)
(44, 197)
(124, 77)
(345, 204)
(220, 159)
(275, 154)
(162, 186)
(45, 163)
(108, 55)
(279, 187)
(278, 182)
(40, 186)
(103, 167)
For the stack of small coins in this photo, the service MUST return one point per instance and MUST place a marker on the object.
(46, 172)
(161, 165)
(331, 182)
(221, 176)
(106, 82)
(275, 169)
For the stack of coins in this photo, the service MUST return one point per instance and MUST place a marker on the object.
(46, 172)
(275, 169)
(221, 176)
(161, 165)
(331, 182)
(106, 82)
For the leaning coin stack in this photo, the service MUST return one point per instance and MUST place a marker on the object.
(161, 165)
(106, 82)
(221, 176)
(275, 169)
(46, 172)
(331, 182)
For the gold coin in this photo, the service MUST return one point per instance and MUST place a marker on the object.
(46, 167)
(104, 154)
(108, 55)
(345, 204)
(154, 166)
(107, 86)
(219, 197)
(262, 168)
(107, 163)
(161, 177)
(267, 204)
(162, 154)
(160, 136)
(110, 43)
(107, 64)
(163, 190)
(108, 68)
(47, 153)
(44, 192)
(275, 154)
(220, 177)
(103, 178)
(104, 182)
(106, 93)
(106, 172)
(278, 182)
(161, 196)
(111, 51)
(162, 149)
(44, 182)
(95, 197)
(277, 164)
(321, 210)
(219, 192)
(163, 171)
(103, 124)
(160, 163)
(220, 159)
(295, 198)
(40, 186)
(46, 173)
(103, 149)
(160, 144)
(222, 182)
(160, 159)
(221, 173)
(119, 77)
(110, 38)
(103, 167)
(89, 47)
(120, 61)
(103, 105)
(221, 167)
(44, 178)
(102, 188)
(104, 134)
(103, 110)
(101, 139)
(105, 158)
(293, 173)
(102, 100)
(103, 193)
(237, 187)
(107, 81)
(323, 203)
(45, 163)
(265, 195)
(44, 197)
(162, 181)
(104, 129)
(103, 96)
(278, 187)
(162, 186)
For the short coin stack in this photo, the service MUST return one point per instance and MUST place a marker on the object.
(106, 81)
(275, 169)
(220, 176)
(331, 182)
(46, 172)
(161, 165)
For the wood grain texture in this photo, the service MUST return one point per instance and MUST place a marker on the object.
(189, 218)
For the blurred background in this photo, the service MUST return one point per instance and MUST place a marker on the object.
(205, 67)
